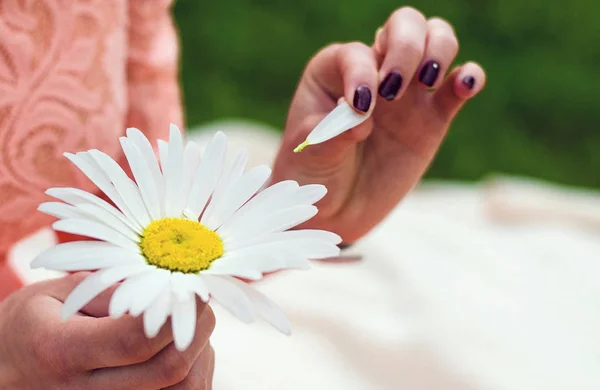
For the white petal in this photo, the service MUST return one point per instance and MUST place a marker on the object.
(231, 173)
(94, 284)
(87, 165)
(265, 308)
(311, 249)
(148, 289)
(157, 313)
(143, 177)
(238, 262)
(123, 297)
(239, 193)
(61, 210)
(229, 296)
(191, 159)
(76, 196)
(174, 174)
(196, 284)
(309, 194)
(95, 230)
(163, 152)
(109, 220)
(85, 255)
(258, 206)
(183, 321)
(207, 176)
(145, 147)
(126, 188)
(275, 222)
(303, 234)
(247, 272)
(341, 119)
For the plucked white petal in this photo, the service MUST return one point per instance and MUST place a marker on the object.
(148, 289)
(265, 308)
(230, 297)
(275, 222)
(258, 206)
(147, 151)
(207, 176)
(196, 284)
(157, 313)
(183, 321)
(126, 188)
(88, 167)
(95, 230)
(231, 173)
(61, 210)
(85, 255)
(341, 119)
(97, 213)
(143, 177)
(239, 193)
(174, 174)
(76, 196)
(191, 159)
(94, 284)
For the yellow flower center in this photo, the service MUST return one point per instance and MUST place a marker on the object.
(179, 244)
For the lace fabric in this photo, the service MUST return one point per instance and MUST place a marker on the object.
(74, 74)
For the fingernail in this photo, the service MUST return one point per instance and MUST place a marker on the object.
(429, 73)
(469, 82)
(362, 98)
(390, 86)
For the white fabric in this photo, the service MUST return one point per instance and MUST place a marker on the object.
(445, 297)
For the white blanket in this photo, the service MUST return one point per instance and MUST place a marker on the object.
(446, 296)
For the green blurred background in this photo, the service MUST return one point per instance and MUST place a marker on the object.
(537, 116)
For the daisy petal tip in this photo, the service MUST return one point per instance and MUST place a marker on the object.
(301, 147)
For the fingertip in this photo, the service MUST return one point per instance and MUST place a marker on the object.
(469, 80)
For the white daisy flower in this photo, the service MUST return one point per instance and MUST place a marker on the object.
(188, 225)
(340, 119)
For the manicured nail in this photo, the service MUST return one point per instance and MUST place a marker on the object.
(362, 98)
(469, 82)
(429, 73)
(390, 86)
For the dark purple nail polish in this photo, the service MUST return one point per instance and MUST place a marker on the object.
(429, 73)
(362, 98)
(469, 82)
(390, 86)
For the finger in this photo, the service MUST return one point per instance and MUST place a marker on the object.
(166, 368)
(440, 51)
(462, 84)
(348, 70)
(201, 374)
(92, 343)
(402, 43)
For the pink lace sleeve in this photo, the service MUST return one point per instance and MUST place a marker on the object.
(73, 76)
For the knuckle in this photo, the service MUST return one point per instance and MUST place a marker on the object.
(446, 40)
(408, 47)
(174, 367)
(439, 23)
(409, 12)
